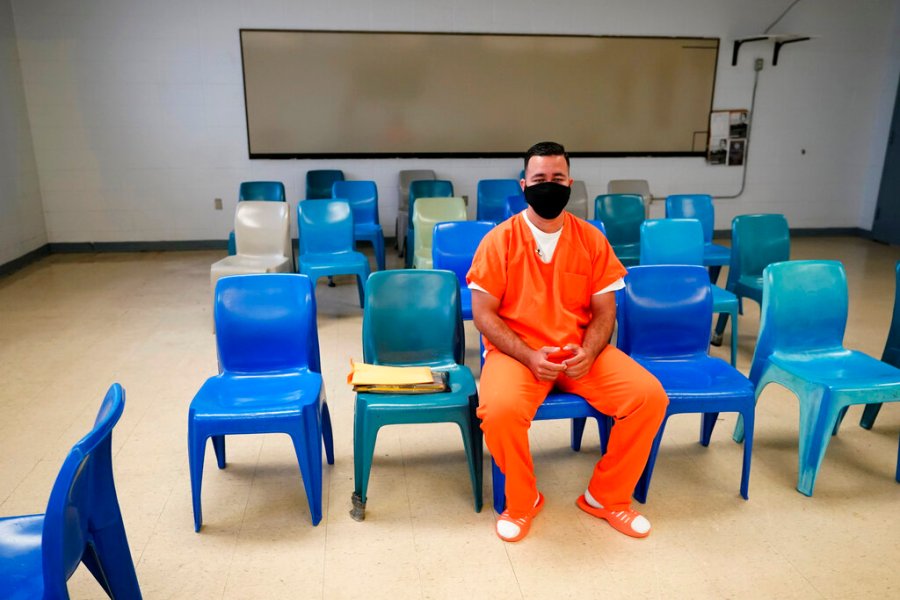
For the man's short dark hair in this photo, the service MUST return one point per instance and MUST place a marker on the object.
(546, 149)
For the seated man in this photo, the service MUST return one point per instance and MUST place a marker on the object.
(543, 284)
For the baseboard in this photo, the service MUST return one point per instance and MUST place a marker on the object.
(724, 234)
(24, 260)
(161, 246)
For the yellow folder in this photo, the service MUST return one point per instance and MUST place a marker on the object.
(409, 380)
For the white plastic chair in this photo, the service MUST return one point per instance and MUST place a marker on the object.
(631, 186)
(427, 212)
(406, 178)
(578, 200)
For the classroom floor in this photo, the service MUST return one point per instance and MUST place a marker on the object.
(72, 324)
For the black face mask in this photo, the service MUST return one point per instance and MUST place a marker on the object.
(548, 199)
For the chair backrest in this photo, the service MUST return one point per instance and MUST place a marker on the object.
(427, 212)
(363, 199)
(325, 226)
(83, 501)
(630, 186)
(671, 242)
(578, 200)
(891, 353)
(319, 182)
(434, 188)
(262, 228)
(665, 312)
(266, 322)
(622, 214)
(262, 190)
(598, 224)
(804, 309)
(492, 198)
(515, 204)
(454, 243)
(413, 317)
(758, 241)
(406, 178)
(693, 206)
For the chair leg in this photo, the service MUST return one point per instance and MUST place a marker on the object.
(897, 476)
(868, 417)
(604, 428)
(577, 432)
(749, 417)
(714, 271)
(309, 456)
(498, 481)
(327, 436)
(218, 442)
(113, 561)
(734, 340)
(379, 251)
(364, 437)
(720, 327)
(361, 288)
(196, 451)
(707, 424)
(474, 466)
(643, 484)
(840, 419)
(817, 420)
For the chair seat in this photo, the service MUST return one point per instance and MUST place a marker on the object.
(724, 301)
(699, 378)
(716, 255)
(628, 254)
(237, 397)
(21, 566)
(462, 385)
(843, 370)
(366, 230)
(333, 262)
(245, 265)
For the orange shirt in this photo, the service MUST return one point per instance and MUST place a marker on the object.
(545, 304)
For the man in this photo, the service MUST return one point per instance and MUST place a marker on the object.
(543, 284)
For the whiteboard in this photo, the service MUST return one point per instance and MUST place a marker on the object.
(336, 94)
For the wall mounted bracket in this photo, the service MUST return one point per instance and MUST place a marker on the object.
(780, 40)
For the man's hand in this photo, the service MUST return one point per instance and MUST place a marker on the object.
(580, 363)
(542, 368)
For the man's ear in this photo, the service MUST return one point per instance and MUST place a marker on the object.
(522, 183)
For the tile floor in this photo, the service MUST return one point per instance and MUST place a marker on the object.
(72, 324)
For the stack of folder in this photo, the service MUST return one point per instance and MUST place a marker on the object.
(396, 380)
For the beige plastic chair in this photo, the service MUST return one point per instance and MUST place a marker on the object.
(406, 178)
(262, 237)
(426, 213)
(631, 186)
(578, 200)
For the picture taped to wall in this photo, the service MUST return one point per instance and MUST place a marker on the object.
(727, 137)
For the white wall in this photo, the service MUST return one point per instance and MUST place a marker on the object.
(21, 212)
(137, 116)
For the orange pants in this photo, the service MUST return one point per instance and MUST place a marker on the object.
(616, 385)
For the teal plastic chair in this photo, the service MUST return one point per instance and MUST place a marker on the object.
(82, 524)
(622, 215)
(326, 243)
(891, 356)
(269, 381)
(800, 346)
(756, 241)
(700, 206)
(272, 191)
(493, 195)
(320, 181)
(414, 318)
(363, 199)
(680, 242)
(422, 188)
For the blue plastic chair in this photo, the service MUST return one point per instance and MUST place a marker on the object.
(326, 243)
(422, 188)
(622, 215)
(270, 378)
(700, 206)
(515, 204)
(756, 241)
(598, 224)
(413, 318)
(891, 356)
(680, 242)
(363, 199)
(800, 346)
(83, 523)
(453, 246)
(320, 181)
(665, 315)
(256, 190)
(493, 195)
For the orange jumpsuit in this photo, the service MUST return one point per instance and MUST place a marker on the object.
(550, 305)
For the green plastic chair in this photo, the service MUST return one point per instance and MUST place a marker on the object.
(800, 346)
(622, 215)
(414, 318)
(427, 213)
(756, 242)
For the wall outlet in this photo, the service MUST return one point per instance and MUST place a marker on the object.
(217, 203)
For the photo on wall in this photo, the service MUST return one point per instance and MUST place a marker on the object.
(727, 137)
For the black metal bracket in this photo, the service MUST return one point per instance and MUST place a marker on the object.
(780, 43)
(780, 40)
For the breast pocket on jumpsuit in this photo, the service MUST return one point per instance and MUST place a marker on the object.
(574, 290)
